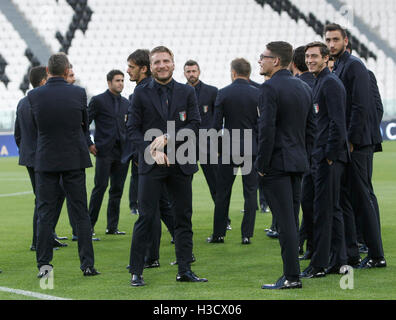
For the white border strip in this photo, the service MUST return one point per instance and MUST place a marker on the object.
(31, 294)
(15, 194)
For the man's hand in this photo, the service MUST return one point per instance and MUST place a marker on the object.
(159, 143)
(351, 147)
(261, 174)
(92, 149)
(160, 158)
(329, 162)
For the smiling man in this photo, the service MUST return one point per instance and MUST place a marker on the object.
(154, 106)
(329, 157)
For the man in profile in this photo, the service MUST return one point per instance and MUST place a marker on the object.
(59, 111)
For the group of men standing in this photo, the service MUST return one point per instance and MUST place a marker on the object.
(307, 137)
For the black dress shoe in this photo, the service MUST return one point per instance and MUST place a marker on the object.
(172, 241)
(246, 240)
(338, 269)
(151, 264)
(229, 226)
(45, 270)
(90, 271)
(116, 232)
(312, 272)
(283, 283)
(272, 234)
(32, 248)
(306, 256)
(58, 244)
(213, 239)
(137, 281)
(362, 248)
(60, 238)
(74, 238)
(355, 262)
(368, 263)
(134, 211)
(192, 260)
(189, 276)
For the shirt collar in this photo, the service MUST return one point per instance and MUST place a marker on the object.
(169, 85)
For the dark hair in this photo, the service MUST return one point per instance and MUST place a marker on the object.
(191, 63)
(36, 75)
(335, 27)
(283, 50)
(299, 58)
(324, 50)
(241, 66)
(113, 73)
(58, 63)
(349, 45)
(141, 57)
(161, 49)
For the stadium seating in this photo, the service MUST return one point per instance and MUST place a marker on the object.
(211, 32)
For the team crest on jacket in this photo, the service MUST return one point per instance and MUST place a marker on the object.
(316, 108)
(205, 108)
(183, 116)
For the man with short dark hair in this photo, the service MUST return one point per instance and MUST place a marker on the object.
(109, 111)
(236, 105)
(355, 78)
(59, 111)
(161, 103)
(206, 97)
(329, 157)
(285, 138)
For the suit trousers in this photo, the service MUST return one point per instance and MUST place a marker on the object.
(225, 181)
(47, 184)
(307, 206)
(61, 200)
(328, 223)
(364, 202)
(283, 191)
(179, 187)
(210, 173)
(108, 168)
(133, 186)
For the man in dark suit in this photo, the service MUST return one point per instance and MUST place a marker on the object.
(139, 72)
(25, 134)
(300, 70)
(355, 78)
(59, 111)
(206, 97)
(109, 111)
(329, 157)
(236, 105)
(158, 106)
(285, 138)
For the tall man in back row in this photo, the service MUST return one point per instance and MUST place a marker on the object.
(286, 133)
(161, 103)
(360, 127)
(59, 110)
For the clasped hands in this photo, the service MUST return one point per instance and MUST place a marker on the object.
(156, 150)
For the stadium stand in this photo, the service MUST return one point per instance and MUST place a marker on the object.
(99, 35)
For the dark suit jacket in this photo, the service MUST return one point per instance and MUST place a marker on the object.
(237, 105)
(60, 111)
(147, 114)
(286, 124)
(206, 104)
(25, 133)
(308, 78)
(101, 110)
(376, 111)
(355, 78)
(329, 104)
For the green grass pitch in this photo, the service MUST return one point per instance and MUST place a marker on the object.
(234, 271)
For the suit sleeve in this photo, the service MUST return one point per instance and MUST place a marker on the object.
(377, 97)
(358, 76)
(91, 115)
(17, 129)
(134, 123)
(335, 101)
(267, 128)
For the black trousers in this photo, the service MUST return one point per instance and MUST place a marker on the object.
(108, 168)
(166, 215)
(225, 181)
(47, 184)
(133, 186)
(283, 192)
(328, 222)
(307, 206)
(150, 189)
(364, 202)
(210, 173)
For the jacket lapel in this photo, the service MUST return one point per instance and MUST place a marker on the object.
(173, 105)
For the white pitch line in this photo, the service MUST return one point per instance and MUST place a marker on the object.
(31, 294)
(15, 194)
